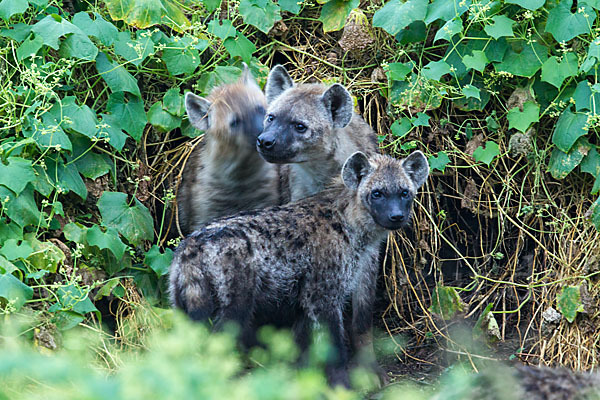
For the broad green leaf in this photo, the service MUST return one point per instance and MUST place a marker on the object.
(75, 232)
(78, 45)
(10, 230)
(16, 174)
(6, 267)
(445, 302)
(528, 4)
(66, 177)
(525, 63)
(502, 26)
(591, 165)
(181, 57)
(21, 209)
(116, 76)
(211, 5)
(110, 128)
(14, 291)
(555, 73)
(127, 113)
(173, 102)
(401, 127)
(145, 13)
(99, 27)
(522, 120)
(8, 8)
(133, 222)
(73, 298)
(240, 47)
(569, 302)
(435, 69)
(476, 61)
(106, 240)
(398, 71)
(221, 75)
(222, 29)
(471, 91)
(335, 12)
(17, 32)
(12, 250)
(561, 163)
(446, 10)
(89, 163)
(29, 47)
(415, 32)
(568, 129)
(395, 15)
(260, 13)
(47, 133)
(449, 29)
(565, 25)
(486, 154)
(42, 183)
(134, 51)
(161, 119)
(439, 162)
(159, 262)
(415, 93)
(586, 98)
(595, 214)
(51, 28)
(80, 119)
(292, 6)
(421, 120)
(46, 255)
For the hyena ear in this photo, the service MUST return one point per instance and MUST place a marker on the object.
(417, 167)
(246, 77)
(197, 110)
(355, 168)
(338, 102)
(278, 81)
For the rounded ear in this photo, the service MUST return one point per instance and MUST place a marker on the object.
(355, 168)
(246, 77)
(197, 110)
(416, 167)
(338, 103)
(278, 81)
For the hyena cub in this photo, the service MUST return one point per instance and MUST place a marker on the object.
(300, 262)
(313, 128)
(224, 174)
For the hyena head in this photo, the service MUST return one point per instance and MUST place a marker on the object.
(386, 186)
(233, 112)
(301, 119)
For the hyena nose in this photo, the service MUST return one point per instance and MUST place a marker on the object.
(396, 217)
(266, 144)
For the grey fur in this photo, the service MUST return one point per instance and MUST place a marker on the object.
(301, 262)
(224, 174)
(278, 81)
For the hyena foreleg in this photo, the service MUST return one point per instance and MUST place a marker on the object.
(337, 363)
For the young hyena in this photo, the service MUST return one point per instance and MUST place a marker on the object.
(313, 128)
(301, 261)
(224, 174)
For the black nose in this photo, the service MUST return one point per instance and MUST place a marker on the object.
(266, 144)
(399, 217)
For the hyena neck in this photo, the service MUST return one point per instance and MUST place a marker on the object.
(312, 177)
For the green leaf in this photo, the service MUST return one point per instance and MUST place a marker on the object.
(66, 177)
(29, 47)
(110, 129)
(526, 62)
(46, 256)
(591, 165)
(335, 12)
(78, 45)
(568, 129)
(21, 209)
(16, 174)
(98, 28)
(439, 162)
(73, 298)
(14, 251)
(134, 50)
(586, 98)
(181, 57)
(421, 120)
(450, 28)
(240, 47)
(502, 26)
(260, 13)
(476, 61)
(595, 214)
(81, 119)
(75, 232)
(89, 163)
(173, 102)
(445, 302)
(555, 73)
(395, 15)
(127, 114)
(211, 5)
(15, 291)
(106, 240)
(222, 29)
(522, 120)
(398, 71)
(145, 13)
(6, 267)
(221, 75)
(446, 10)
(569, 302)
(471, 91)
(528, 4)
(8, 8)
(159, 262)
(565, 25)
(51, 28)
(116, 76)
(401, 127)
(435, 69)
(161, 119)
(47, 133)
(561, 163)
(292, 6)
(133, 222)
(487, 154)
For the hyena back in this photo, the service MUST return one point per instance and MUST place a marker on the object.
(313, 128)
(302, 260)
(224, 174)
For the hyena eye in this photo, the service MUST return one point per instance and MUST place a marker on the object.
(270, 118)
(376, 194)
(404, 193)
(300, 128)
(235, 122)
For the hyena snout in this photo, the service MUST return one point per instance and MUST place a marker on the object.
(392, 212)
(265, 142)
